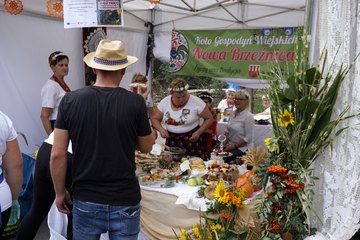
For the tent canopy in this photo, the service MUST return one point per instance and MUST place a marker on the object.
(201, 14)
(217, 14)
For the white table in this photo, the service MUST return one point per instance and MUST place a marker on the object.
(260, 132)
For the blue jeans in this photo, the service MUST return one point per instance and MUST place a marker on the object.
(90, 220)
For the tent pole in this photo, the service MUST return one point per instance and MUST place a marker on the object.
(151, 73)
(311, 17)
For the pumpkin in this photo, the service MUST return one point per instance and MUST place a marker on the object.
(287, 236)
(254, 179)
(244, 182)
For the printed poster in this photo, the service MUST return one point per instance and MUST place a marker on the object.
(232, 53)
(93, 13)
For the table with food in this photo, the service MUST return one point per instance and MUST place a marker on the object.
(175, 188)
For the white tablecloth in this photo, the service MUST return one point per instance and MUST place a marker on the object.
(260, 133)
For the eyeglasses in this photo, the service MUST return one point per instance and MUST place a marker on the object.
(240, 99)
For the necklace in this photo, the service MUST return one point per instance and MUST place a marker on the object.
(180, 105)
(62, 84)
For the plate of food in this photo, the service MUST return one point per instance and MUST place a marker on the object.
(154, 182)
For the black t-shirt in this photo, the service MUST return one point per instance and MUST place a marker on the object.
(104, 124)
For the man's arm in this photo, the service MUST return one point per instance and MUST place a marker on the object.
(145, 142)
(58, 168)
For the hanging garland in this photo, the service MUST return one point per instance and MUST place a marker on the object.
(13, 7)
(55, 8)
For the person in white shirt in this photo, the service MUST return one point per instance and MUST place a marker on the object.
(11, 177)
(266, 104)
(54, 90)
(181, 114)
(226, 106)
(43, 192)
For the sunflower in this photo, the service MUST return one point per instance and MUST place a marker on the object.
(220, 190)
(267, 142)
(286, 118)
(183, 234)
(271, 145)
(197, 232)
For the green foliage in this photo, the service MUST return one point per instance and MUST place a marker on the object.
(304, 125)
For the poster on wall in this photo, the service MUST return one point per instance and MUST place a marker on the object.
(232, 53)
(93, 13)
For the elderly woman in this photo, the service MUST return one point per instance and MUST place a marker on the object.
(240, 127)
(11, 177)
(266, 104)
(228, 103)
(181, 113)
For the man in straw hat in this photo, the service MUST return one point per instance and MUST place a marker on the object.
(104, 123)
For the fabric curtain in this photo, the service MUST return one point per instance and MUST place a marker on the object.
(338, 191)
(25, 45)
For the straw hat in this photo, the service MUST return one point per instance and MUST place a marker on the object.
(110, 56)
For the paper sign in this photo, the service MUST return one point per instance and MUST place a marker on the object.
(93, 13)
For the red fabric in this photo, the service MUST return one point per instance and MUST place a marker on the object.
(63, 85)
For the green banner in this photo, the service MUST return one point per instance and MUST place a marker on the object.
(233, 53)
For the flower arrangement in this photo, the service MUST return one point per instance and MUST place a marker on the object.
(304, 125)
(222, 219)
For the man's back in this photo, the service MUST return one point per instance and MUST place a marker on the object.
(104, 124)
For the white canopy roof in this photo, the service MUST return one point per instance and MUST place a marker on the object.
(201, 14)
(215, 14)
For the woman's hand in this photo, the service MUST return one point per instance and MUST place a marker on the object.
(229, 148)
(145, 93)
(164, 133)
(195, 136)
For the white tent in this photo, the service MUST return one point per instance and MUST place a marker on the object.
(28, 38)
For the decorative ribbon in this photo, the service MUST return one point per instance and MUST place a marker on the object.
(110, 62)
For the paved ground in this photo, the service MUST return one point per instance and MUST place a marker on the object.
(43, 233)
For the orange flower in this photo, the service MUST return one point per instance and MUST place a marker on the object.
(225, 216)
(277, 169)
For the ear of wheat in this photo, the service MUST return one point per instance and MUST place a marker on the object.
(255, 156)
